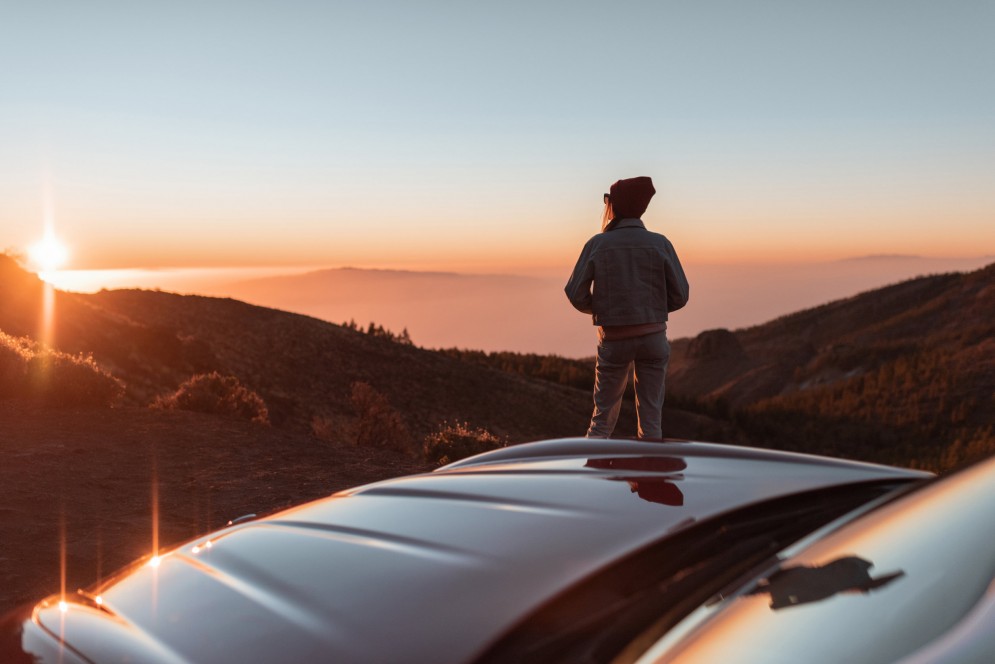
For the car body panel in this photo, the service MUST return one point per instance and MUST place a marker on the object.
(433, 566)
(911, 579)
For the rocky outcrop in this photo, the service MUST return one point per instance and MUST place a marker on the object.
(715, 345)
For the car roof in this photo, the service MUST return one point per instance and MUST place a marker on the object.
(431, 567)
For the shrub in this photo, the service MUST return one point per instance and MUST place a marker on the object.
(377, 424)
(14, 358)
(67, 380)
(33, 371)
(217, 394)
(452, 442)
(326, 428)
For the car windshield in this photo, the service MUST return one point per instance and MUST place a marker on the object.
(597, 619)
(875, 591)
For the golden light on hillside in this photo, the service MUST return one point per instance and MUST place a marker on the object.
(48, 254)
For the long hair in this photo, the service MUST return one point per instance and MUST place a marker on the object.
(607, 216)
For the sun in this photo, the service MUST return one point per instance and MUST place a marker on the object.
(48, 254)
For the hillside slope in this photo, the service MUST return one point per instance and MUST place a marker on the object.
(901, 373)
(302, 367)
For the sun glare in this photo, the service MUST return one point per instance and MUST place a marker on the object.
(48, 254)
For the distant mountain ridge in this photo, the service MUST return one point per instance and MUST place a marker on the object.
(529, 314)
(906, 257)
(440, 309)
(516, 313)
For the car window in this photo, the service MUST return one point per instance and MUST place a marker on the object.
(595, 620)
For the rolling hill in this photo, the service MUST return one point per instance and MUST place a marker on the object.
(902, 374)
(302, 367)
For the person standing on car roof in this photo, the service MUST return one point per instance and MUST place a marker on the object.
(629, 279)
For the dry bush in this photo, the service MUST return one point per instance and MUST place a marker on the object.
(216, 394)
(30, 370)
(377, 424)
(67, 380)
(13, 366)
(455, 441)
(326, 429)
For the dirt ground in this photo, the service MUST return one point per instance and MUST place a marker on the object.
(84, 486)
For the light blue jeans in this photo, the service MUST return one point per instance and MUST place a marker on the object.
(650, 355)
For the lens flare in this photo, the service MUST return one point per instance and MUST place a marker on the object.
(48, 254)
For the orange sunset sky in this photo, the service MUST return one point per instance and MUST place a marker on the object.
(479, 137)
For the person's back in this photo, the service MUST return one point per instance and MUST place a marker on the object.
(629, 279)
(640, 279)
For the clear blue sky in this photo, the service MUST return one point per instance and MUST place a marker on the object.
(472, 133)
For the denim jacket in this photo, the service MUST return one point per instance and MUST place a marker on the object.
(628, 275)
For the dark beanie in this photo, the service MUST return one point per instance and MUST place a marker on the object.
(630, 198)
